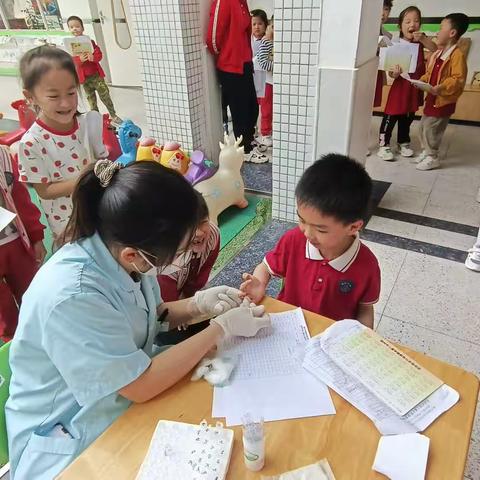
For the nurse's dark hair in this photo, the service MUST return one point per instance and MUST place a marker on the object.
(336, 186)
(145, 206)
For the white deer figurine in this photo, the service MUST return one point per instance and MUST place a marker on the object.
(226, 187)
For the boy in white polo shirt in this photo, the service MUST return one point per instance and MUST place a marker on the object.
(324, 265)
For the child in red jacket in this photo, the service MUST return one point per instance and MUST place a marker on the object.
(229, 39)
(91, 74)
(21, 246)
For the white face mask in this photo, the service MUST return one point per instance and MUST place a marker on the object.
(152, 271)
(168, 269)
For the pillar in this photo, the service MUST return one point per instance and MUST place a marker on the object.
(324, 78)
(182, 100)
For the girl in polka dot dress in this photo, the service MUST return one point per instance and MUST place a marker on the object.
(61, 142)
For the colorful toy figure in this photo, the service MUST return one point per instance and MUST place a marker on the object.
(225, 187)
(128, 135)
(200, 168)
(173, 157)
(149, 150)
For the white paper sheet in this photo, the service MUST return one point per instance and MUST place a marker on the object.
(319, 364)
(402, 457)
(425, 87)
(402, 53)
(269, 379)
(6, 217)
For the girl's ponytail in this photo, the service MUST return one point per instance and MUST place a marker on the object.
(86, 198)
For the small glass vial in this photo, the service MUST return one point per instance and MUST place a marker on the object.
(253, 443)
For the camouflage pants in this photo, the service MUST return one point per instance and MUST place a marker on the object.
(96, 84)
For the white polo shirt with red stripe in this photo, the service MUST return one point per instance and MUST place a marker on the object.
(332, 288)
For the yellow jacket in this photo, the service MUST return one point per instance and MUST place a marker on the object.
(452, 75)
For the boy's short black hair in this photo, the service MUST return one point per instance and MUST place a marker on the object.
(388, 4)
(336, 186)
(459, 22)
(74, 17)
(261, 14)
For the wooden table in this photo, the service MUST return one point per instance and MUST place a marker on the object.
(348, 439)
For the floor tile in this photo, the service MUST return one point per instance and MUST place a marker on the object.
(437, 294)
(393, 227)
(405, 198)
(458, 182)
(390, 260)
(443, 238)
(258, 177)
(435, 344)
(455, 207)
(400, 172)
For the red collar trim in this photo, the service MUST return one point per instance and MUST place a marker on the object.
(58, 132)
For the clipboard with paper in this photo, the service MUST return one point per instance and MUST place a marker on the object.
(384, 383)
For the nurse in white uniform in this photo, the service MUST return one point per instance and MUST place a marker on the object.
(83, 350)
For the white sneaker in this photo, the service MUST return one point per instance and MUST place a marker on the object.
(266, 140)
(255, 156)
(405, 150)
(473, 260)
(385, 153)
(419, 158)
(428, 163)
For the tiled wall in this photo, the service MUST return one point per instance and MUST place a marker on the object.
(170, 43)
(297, 25)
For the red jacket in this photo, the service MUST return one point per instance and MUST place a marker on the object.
(88, 69)
(17, 199)
(229, 34)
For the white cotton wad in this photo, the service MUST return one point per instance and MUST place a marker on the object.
(215, 371)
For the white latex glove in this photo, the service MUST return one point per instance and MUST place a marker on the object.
(244, 321)
(216, 300)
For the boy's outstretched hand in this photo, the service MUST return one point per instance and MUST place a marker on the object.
(253, 288)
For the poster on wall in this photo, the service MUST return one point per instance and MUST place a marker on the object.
(31, 14)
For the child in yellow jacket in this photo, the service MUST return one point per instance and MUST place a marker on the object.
(447, 74)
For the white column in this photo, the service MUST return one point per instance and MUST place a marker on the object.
(182, 100)
(324, 79)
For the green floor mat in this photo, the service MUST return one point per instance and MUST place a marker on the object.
(234, 219)
(244, 231)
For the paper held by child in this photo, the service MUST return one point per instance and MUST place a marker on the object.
(6, 217)
(75, 46)
(396, 393)
(404, 54)
(425, 87)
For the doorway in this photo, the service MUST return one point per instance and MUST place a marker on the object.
(112, 24)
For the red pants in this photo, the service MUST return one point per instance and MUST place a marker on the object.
(266, 111)
(17, 269)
